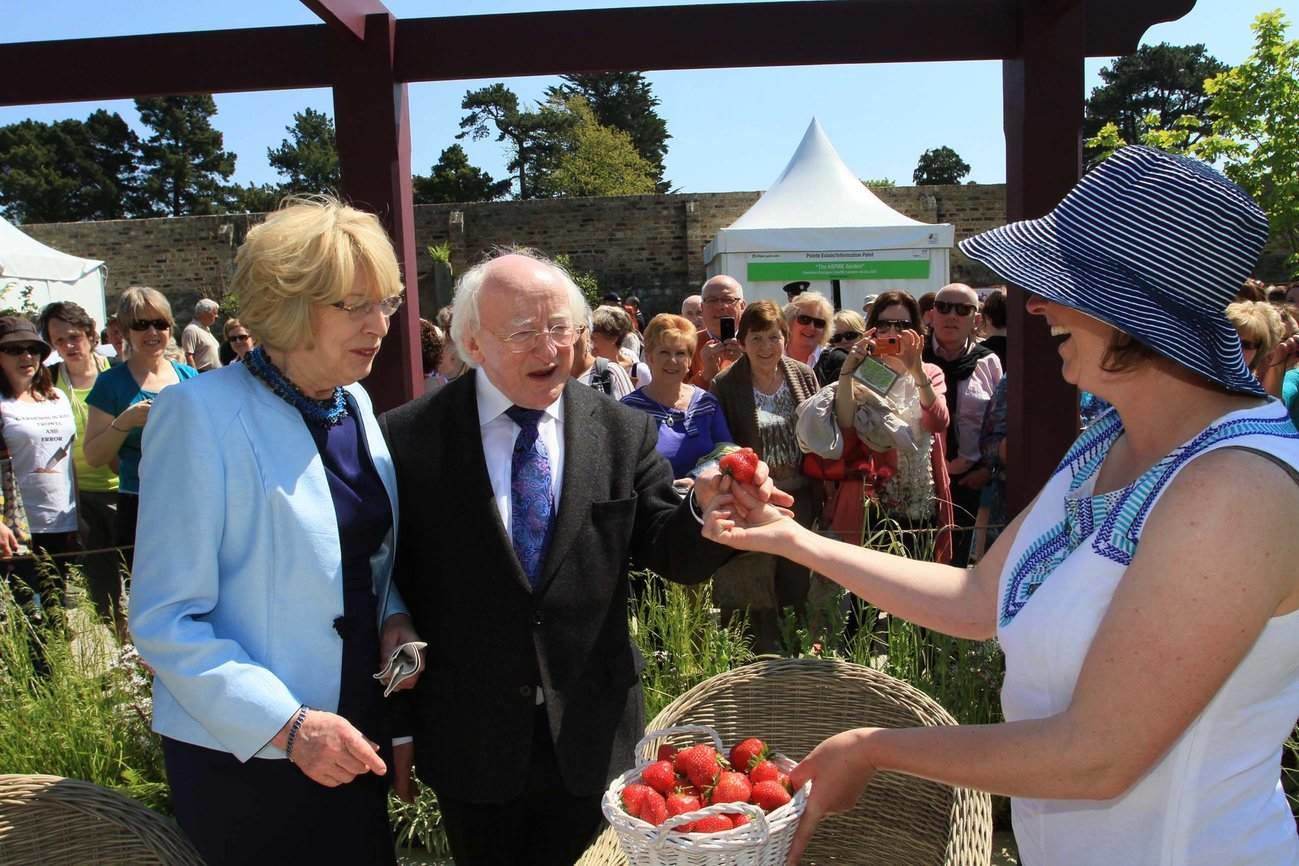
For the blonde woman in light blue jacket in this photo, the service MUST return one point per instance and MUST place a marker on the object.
(266, 604)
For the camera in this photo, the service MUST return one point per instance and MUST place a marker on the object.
(887, 346)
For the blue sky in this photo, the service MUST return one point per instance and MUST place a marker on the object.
(732, 129)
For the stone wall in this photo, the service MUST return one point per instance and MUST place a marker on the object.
(652, 245)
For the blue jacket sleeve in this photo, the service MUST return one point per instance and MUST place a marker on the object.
(176, 581)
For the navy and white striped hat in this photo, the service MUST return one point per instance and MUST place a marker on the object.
(1154, 244)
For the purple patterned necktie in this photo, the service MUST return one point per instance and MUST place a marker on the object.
(532, 503)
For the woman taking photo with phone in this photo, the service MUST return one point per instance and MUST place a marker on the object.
(120, 400)
(1150, 648)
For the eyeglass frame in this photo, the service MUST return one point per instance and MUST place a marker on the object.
(955, 307)
(141, 326)
(723, 300)
(809, 319)
(388, 307)
(17, 350)
(895, 325)
(845, 337)
(526, 341)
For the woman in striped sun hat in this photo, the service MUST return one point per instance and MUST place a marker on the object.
(1147, 600)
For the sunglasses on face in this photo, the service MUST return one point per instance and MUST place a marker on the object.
(945, 307)
(18, 349)
(894, 324)
(805, 319)
(145, 324)
(845, 337)
(239, 338)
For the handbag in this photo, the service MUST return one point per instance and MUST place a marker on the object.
(12, 511)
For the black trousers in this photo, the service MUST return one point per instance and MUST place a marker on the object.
(965, 507)
(546, 826)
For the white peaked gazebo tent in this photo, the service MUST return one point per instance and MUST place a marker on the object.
(818, 223)
(26, 263)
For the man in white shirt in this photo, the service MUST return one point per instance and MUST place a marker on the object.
(202, 350)
(524, 497)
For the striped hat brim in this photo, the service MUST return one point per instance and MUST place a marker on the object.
(1031, 254)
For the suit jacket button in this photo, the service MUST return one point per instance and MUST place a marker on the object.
(538, 618)
(527, 691)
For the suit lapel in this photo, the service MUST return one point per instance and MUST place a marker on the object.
(583, 450)
(478, 484)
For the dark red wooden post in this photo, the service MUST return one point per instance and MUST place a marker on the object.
(1043, 111)
(372, 116)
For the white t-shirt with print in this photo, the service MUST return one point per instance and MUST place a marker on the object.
(40, 438)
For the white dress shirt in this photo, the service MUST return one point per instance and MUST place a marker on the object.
(499, 433)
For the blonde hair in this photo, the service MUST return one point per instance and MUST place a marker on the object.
(668, 326)
(136, 300)
(824, 310)
(849, 320)
(312, 251)
(1258, 322)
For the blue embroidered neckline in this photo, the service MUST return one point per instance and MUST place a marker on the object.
(320, 413)
(1114, 520)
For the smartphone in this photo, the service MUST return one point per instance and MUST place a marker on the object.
(888, 346)
(727, 328)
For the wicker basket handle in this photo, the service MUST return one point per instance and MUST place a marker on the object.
(757, 818)
(677, 729)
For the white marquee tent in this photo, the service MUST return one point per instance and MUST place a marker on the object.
(819, 223)
(51, 275)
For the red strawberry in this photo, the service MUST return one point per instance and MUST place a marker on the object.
(739, 820)
(732, 788)
(654, 809)
(769, 796)
(679, 804)
(748, 753)
(740, 465)
(667, 752)
(660, 776)
(784, 783)
(698, 764)
(713, 824)
(633, 798)
(764, 771)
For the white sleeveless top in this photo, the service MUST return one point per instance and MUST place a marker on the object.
(1215, 798)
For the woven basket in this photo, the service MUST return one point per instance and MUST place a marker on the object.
(795, 704)
(764, 841)
(52, 821)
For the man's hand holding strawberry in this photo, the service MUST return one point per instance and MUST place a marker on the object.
(740, 469)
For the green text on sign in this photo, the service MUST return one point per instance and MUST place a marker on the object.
(784, 272)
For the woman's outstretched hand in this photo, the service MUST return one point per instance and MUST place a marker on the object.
(839, 770)
(739, 519)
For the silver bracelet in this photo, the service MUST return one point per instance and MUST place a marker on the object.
(298, 718)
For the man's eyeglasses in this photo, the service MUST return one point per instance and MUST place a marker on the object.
(18, 349)
(805, 319)
(945, 307)
(561, 336)
(898, 325)
(723, 300)
(845, 337)
(388, 307)
(143, 325)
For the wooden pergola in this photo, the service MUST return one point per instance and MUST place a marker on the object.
(368, 57)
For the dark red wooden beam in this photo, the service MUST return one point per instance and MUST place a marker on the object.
(348, 15)
(122, 67)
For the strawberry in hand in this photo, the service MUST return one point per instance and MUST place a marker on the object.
(740, 465)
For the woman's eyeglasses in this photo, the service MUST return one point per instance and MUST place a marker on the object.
(145, 324)
(897, 325)
(845, 337)
(388, 307)
(18, 349)
(805, 319)
(239, 338)
(946, 307)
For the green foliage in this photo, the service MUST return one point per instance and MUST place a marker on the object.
(70, 170)
(585, 280)
(1160, 87)
(1255, 112)
(419, 824)
(439, 252)
(623, 101)
(454, 179)
(1180, 138)
(533, 137)
(88, 718)
(183, 163)
(253, 198)
(597, 160)
(308, 158)
(941, 165)
(26, 305)
(880, 183)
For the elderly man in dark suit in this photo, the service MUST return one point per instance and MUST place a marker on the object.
(525, 497)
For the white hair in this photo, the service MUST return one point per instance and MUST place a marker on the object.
(464, 305)
(206, 305)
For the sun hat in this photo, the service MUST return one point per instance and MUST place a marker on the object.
(1153, 244)
(16, 329)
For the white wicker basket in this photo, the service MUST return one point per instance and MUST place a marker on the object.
(764, 841)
